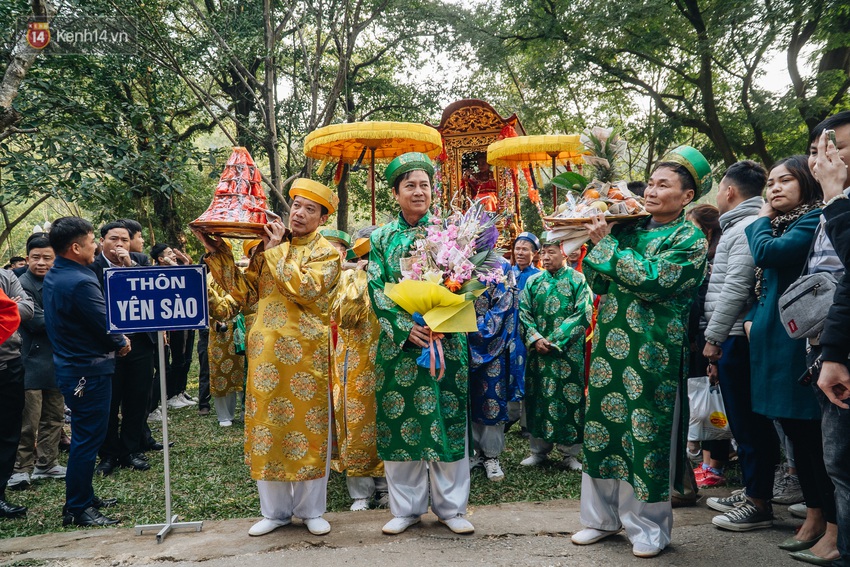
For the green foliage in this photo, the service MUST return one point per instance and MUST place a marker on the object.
(694, 70)
(569, 180)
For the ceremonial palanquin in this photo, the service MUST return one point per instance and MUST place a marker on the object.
(468, 127)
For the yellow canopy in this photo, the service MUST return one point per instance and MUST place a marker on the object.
(388, 139)
(524, 150)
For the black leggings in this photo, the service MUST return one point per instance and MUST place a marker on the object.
(719, 449)
(806, 437)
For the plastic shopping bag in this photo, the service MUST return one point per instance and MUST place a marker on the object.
(708, 416)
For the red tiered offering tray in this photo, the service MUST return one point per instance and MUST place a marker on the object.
(238, 209)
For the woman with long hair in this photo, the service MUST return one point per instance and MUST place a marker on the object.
(780, 240)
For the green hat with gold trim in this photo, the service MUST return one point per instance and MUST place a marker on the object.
(338, 235)
(696, 164)
(410, 161)
(548, 238)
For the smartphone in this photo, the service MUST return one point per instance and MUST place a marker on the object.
(831, 135)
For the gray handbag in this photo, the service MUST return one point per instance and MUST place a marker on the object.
(805, 304)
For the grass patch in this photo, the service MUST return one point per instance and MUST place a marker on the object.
(209, 481)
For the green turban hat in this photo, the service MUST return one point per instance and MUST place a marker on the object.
(696, 164)
(410, 161)
(338, 235)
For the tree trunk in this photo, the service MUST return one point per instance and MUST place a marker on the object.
(342, 193)
(169, 220)
(22, 60)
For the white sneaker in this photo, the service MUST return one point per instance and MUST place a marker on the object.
(644, 550)
(475, 461)
(459, 525)
(787, 490)
(359, 505)
(155, 415)
(493, 470)
(382, 500)
(588, 536)
(571, 463)
(56, 471)
(226, 423)
(798, 510)
(188, 399)
(533, 460)
(398, 525)
(176, 402)
(19, 481)
(317, 526)
(266, 525)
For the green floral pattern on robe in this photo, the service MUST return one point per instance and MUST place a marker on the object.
(640, 347)
(557, 307)
(418, 417)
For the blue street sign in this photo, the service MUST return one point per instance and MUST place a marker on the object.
(161, 298)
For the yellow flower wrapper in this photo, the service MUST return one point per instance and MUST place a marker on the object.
(443, 311)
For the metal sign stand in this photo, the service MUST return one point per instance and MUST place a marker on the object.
(153, 299)
(171, 522)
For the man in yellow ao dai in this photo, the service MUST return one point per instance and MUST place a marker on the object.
(292, 281)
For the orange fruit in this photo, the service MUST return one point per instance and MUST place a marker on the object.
(615, 195)
(591, 194)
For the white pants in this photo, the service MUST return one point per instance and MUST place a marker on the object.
(361, 487)
(304, 499)
(609, 504)
(515, 412)
(408, 487)
(225, 406)
(541, 447)
(488, 440)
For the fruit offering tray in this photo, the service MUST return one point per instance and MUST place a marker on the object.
(612, 200)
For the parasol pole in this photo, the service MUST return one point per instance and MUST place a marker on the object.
(372, 183)
(554, 189)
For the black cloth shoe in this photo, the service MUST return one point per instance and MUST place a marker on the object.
(91, 516)
(156, 446)
(134, 461)
(8, 510)
(106, 466)
(99, 503)
(96, 502)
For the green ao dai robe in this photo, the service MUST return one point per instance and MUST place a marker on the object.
(559, 308)
(639, 358)
(418, 417)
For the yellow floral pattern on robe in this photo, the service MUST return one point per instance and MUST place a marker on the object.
(227, 369)
(286, 400)
(354, 377)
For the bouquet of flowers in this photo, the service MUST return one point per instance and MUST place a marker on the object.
(445, 271)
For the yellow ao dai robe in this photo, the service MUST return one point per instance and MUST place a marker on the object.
(227, 369)
(288, 349)
(354, 377)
